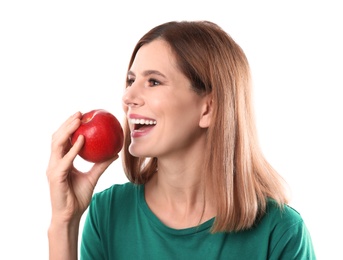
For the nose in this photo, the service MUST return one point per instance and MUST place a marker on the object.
(132, 97)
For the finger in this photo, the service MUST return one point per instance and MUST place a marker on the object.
(62, 166)
(74, 150)
(71, 118)
(66, 125)
(60, 143)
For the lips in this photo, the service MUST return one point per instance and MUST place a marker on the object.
(141, 125)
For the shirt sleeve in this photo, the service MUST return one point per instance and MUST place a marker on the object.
(294, 243)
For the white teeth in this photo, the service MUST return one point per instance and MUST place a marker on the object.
(142, 121)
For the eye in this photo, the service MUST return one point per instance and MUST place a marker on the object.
(129, 81)
(153, 82)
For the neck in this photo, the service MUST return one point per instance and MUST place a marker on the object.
(177, 196)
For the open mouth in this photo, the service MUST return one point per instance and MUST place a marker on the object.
(141, 124)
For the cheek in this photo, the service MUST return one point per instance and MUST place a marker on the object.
(185, 116)
(179, 109)
(161, 107)
(157, 103)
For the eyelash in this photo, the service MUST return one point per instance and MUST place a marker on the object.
(129, 82)
(152, 82)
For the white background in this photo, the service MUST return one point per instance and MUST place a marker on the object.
(58, 57)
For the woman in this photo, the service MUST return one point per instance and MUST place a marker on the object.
(199, 186)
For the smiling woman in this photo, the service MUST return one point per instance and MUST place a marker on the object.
(192, 158)
(159, 91)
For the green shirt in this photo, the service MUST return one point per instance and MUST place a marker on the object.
(120, 225)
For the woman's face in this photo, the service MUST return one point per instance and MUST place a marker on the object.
(163, 111)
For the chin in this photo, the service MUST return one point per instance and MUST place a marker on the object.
(134, 151)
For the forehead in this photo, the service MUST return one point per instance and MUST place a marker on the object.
(155, 55)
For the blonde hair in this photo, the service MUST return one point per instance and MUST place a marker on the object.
(236, 169)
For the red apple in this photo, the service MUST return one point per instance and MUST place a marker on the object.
(103, 134)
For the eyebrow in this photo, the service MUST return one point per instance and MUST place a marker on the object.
(147, 73)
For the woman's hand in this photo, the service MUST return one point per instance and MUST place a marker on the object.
(70, 189)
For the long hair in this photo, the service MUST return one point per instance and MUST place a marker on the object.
(235, 168)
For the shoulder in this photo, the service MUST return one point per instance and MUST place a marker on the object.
(117, 193)
(284, 215)
(117, 189)
(281, 220)
(288, 234)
